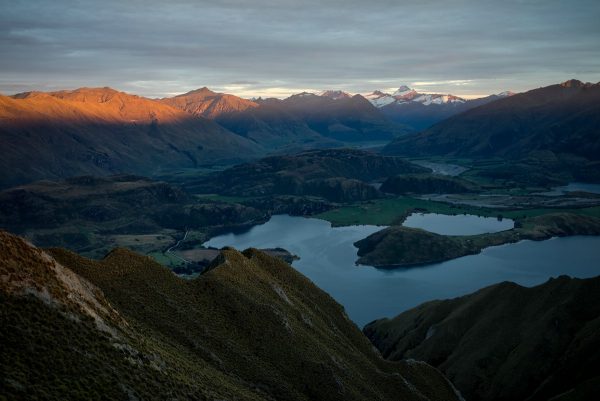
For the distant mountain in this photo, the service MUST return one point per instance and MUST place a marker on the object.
(421, 110)
(379, 99)
(563, 119)
(276, 127)
(404, 94)
(206, 103)
(102, 131)
(335, 94)
(345, 118)
(308, 120)
(126, 328)
(264, 122)
(506, 342)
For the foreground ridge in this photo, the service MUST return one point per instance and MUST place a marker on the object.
(506, 342)
(251, 328)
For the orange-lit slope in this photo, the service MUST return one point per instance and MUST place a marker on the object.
(100, 131)
(206, 103)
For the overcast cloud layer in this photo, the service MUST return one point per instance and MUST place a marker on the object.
(279, 47)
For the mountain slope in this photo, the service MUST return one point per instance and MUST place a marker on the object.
(343, 118)
(251, 328)
(561, 119)
(49, 204)
(334, 174)
(206, 103)
(91, 215)
(300, 121)
(506, 342)
(274, 126)
(100, 131)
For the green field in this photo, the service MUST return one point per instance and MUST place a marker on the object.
(166, 259)
(394, 210)
(223, 198)
(391, 211)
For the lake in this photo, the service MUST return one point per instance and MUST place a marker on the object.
(461, 224)
(573, 187)
(328, 258)
(442, 168)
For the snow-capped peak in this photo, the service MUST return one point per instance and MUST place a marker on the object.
(379, 98)
(505, 94)
(403, 91)
(434, 98)
(406, 95)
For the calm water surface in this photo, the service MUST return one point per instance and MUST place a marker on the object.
(328, 259)
(574, 187)
(580, 186)
(466, 224)
(442, 168)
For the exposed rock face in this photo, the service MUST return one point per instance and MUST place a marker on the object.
(250, 328)
(28, 271)
(506, 342)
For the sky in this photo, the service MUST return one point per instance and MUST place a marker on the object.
(276, 48)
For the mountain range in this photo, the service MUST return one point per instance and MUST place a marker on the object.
(100, 131)
(300, 120)
(561, 119)
(413, 109)
(422, 110)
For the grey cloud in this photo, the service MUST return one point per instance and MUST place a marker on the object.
(157, 48)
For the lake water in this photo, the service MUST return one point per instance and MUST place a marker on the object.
(442, 168)
(573, 187)
(328, 258)
(462, 224)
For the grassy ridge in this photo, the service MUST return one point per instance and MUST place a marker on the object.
(250, 328)
(506, 342)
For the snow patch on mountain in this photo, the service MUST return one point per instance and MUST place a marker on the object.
(406, 95)
(379, 99)
(505, 94)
